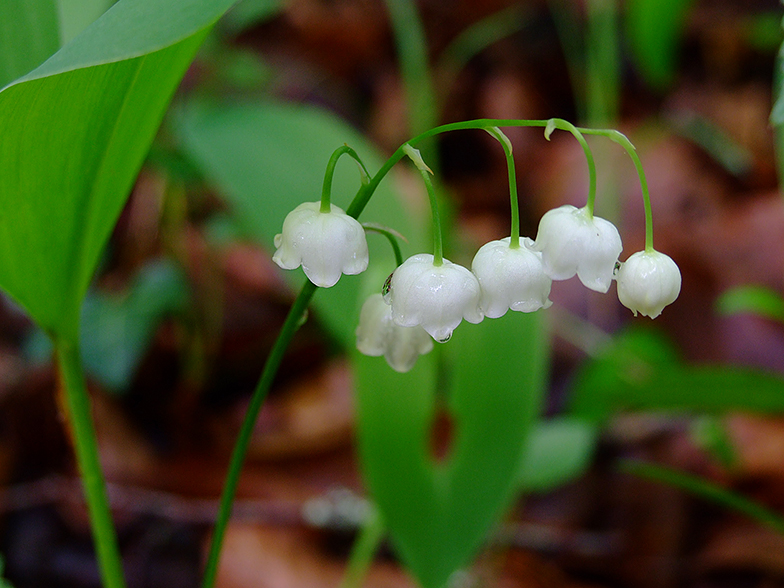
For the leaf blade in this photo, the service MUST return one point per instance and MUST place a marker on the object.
(74, 138)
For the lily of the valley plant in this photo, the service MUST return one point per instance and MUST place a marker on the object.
(429, 296)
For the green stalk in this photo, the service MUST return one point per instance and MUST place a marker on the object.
(271, 365)
(514, 239)
(412, 54)
(624, 142)
(705, 489)
(391, 235)
(363, 550)
(290, 326)
(86, 447)
(602, 50)
(326, 190)
(438, 242)
(559, 123)
(474, 39)
(480, 123)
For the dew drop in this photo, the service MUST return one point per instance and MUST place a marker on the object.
(387, 285)
(303, 318)
(445, 339)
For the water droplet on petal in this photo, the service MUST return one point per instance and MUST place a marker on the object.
(387, 285)
(445, 339)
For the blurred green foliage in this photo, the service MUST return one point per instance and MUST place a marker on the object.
(487, 383)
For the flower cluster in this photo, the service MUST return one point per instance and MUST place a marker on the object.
(428, 296)
(423, 297)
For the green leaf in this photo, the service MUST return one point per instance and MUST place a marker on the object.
(705, 489)
(268, 158)
(724, 150)
(762, 31)
(710, 434)
(74, 134)
(3, 582)
(248, 13)
(491, 381)
(77, 15)
(640, 371)
(117, 328)
(654, 29)
(758, 300)
(557, 451)
(29, 34)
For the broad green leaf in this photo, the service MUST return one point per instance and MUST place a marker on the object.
(117, 328)
(558, 451)
(491, 381)
(268, 158)
(77, 15)
(74, 134)
(758, 300)
(763, 31)
(29, 35)
(654, 29)
(640, 371)
(248, 13)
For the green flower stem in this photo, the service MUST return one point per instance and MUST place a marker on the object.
(559, 123)
(438, 242)
(602, 61)
(326, 190)
(514, 240)
(271, 365)
(624, 142)
(86, 447)
(290, 326)
(391, 235)
(480, 123)
(363, 550)
(411, 44)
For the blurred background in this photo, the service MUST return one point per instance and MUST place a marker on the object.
(187, 301)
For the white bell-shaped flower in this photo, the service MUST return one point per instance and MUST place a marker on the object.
(325, 244)
(378, 334)
(436, 297)
(511, 278)
(647, 282)
(572, 243)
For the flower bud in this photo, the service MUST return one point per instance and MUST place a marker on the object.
(377, 334)
(326, 244)
(511, 278)
(647, 282)
(572, 242)
(436, 297)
